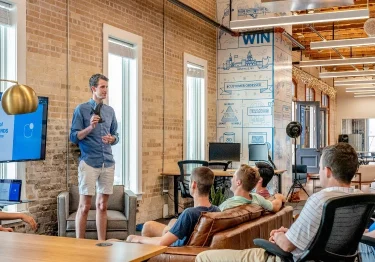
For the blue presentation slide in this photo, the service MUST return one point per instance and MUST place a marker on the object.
(21, 135)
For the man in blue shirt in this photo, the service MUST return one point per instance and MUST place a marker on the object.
(94, 129)
(154, 233)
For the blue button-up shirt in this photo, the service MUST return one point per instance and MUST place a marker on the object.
(94, 152)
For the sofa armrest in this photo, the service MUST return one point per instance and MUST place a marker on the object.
(130, 210)
(62, 212)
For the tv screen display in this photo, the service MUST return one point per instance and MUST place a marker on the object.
(23, 137)
(224, 151)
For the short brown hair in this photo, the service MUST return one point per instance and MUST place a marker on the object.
(249, 177)
(204, 178)
(342, 159)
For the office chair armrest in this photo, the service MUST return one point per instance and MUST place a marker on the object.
(273, 249)
(62, 212)
(368, 240)
(130, 210)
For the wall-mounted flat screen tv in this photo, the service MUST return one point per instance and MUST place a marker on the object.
(23, 137)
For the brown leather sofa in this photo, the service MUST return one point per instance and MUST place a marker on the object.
(235, 228)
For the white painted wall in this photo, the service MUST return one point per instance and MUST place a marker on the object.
(349, 107)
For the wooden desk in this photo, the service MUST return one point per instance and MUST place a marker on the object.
(314, 177)
(16, 247)
(217, 172)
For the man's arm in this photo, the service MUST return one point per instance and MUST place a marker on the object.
(277, 203)
(282, 241)
(113, 130)
(23, 216)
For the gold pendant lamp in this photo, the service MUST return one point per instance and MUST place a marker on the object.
(19, 99)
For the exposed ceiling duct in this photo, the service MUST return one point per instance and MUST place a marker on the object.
(278, 6)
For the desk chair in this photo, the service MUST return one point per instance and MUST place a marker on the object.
(343, 222)
(186, 166)
(221, 165)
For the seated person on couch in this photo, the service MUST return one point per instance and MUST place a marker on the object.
(266, 173)
(10, 216)
(201, 181)
(337, 167)
(243, 181)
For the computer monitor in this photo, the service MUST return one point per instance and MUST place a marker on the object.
(258, 152)
(10, 190)
(224, 151)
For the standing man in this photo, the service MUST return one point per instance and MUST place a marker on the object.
(94, 129)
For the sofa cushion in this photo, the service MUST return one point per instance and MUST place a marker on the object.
(210, 223)
(116, 221)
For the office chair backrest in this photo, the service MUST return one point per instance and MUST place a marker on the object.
(300, 169)
(343, 222)
(186, 166)
(218, 165)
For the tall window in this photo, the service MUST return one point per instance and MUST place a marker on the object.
(325, 101)
(121, 59)
(122, 62)
(310, 94)
(195, 107)
(13, 67)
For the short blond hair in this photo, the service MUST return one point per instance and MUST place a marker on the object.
(249, 176)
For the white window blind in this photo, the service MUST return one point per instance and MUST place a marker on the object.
(121, 48)
(195, 71)
(4, 13)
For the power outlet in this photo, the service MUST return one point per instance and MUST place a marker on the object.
(165, 190)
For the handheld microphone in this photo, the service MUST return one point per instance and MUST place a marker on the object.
(97, 110)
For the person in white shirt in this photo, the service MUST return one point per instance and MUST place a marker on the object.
(337, 167)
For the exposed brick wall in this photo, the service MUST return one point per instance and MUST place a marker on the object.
(47, 73)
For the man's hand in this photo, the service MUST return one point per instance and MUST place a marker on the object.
(5, 229)
(280, 197)
(94, 121)
(108, 139)
(133, 239)
(29, 220)
(272, 234)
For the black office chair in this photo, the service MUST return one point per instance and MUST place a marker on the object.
(223, 165)
(219, 165)
(186, 166)
(343, 222)
(299, 177)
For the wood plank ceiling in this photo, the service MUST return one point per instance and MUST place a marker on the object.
(337, 30)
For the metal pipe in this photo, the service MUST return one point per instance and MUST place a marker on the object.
(164, 32)
(67, 92)
(203, 17)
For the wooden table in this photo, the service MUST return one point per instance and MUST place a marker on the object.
(314, 177)
(17, 247)
(217, 172)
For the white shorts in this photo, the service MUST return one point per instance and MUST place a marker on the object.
(89, 176)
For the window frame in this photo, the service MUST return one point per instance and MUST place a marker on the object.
(135, 177)
(311, 92)
(188, 58)
(18, 28)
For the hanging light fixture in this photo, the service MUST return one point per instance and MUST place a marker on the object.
(338, 62)
(347, 73)
(354, 82)
(300, 19)
(19, 99)
(370, 41)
